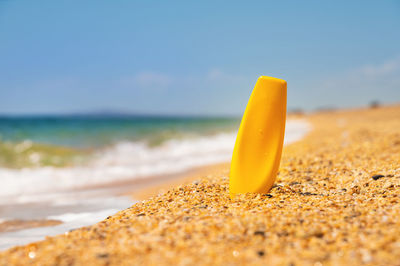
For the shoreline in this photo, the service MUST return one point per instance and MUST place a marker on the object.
(11, 230)
(14, 231)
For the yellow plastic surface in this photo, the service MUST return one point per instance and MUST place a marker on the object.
(258, 148)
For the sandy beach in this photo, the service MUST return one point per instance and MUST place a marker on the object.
(335, 202)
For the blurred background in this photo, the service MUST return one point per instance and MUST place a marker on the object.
(93, 93)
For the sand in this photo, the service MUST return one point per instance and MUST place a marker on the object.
(335, 202)
(189, 176)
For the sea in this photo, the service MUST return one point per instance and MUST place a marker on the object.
(65, 167)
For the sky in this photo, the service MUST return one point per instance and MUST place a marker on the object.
(194, 57)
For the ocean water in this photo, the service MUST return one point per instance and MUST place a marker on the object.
(110, 149)
(114, 148)
(97, 131)
(96, 152)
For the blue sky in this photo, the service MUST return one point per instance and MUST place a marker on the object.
(184, 57)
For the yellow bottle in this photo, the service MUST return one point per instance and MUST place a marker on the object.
(258, 148)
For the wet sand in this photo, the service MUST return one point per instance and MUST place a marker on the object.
(15, 225)
(335, 202)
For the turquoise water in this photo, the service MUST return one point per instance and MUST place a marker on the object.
(95, 131)
(61, 141)
(110, 150)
